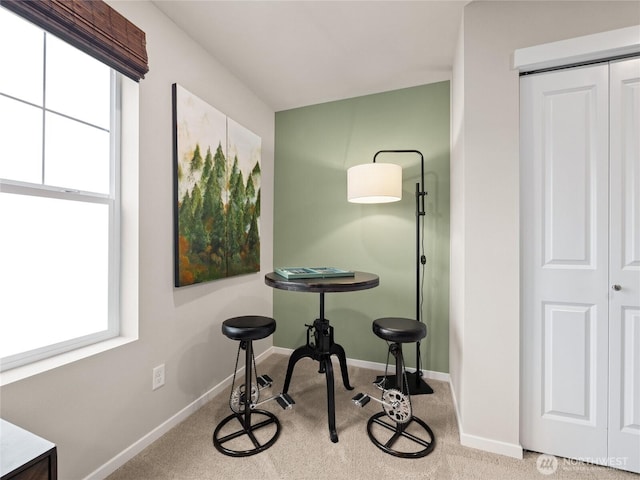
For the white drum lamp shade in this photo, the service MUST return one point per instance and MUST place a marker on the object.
(374, 183)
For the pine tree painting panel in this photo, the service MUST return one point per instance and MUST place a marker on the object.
(243, 205)
(216, 193)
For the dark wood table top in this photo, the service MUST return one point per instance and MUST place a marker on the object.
(360, 281)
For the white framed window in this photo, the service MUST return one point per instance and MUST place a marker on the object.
(59, 196)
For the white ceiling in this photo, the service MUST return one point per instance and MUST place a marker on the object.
(297, 53)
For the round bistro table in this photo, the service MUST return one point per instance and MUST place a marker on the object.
(322, 346)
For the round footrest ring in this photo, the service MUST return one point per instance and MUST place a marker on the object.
(238, 445)
(413, 439)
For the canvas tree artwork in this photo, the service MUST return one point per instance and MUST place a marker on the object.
(216, 193)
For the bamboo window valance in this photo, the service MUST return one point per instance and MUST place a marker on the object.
(91, 26)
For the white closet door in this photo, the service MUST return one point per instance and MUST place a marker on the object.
(565, 255)
(624, 304)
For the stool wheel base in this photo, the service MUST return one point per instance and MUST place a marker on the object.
(246, 430)
(400, 431)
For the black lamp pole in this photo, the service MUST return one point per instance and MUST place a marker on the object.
(418, 385)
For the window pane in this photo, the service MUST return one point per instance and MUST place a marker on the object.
(20, 141)
(54, 275)
(21, 58)
(77, 84)
(77, 155)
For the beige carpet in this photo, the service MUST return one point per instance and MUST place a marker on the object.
(304, 450)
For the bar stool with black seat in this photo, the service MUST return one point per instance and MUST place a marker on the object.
(245, 397)
(406, 436)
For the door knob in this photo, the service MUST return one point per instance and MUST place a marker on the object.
(617, 287)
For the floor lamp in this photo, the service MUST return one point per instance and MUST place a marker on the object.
(382, 183)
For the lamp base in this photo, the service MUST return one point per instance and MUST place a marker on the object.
(417, 386)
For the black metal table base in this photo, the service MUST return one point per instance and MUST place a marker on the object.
(399, 431)
(321, 350)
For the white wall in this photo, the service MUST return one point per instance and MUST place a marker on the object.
(484, 324)
(95, 408)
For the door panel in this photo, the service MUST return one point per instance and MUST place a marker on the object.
(630, 373)
(569, 216)
(564, 262)
(568, 381)
(624, 304)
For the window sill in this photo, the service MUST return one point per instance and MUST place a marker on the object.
(35, 368)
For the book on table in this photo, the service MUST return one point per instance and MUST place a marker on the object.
(313, 272)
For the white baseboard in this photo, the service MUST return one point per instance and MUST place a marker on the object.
(281, 350)
(513, 450)
(134, 449)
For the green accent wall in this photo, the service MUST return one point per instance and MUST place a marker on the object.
(314, 225)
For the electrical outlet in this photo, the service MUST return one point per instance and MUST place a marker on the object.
(158, 377)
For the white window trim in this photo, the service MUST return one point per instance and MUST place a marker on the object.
(129, 250)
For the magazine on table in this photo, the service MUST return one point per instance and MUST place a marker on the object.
(313, 272)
